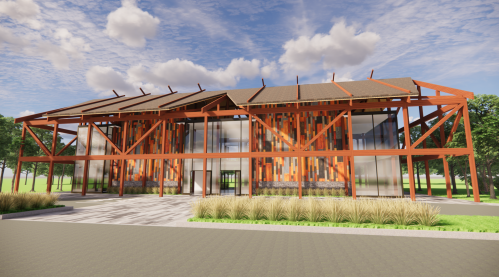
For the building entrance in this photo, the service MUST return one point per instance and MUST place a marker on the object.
(196, 186)
(230, 183)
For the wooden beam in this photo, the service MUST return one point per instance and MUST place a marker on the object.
(162, 173)
(344, 90)
(455, 125)
(60, 130)
(324, 129)
(469, 146)
(38, 141)
(122, 172)
(426, 129)
(410, 167)
(205, 150)
(429, 117)
(106, 138)
(142, 102)
(178, 99)
(458, 92)
(298, 138)
(388, 85)
(256, 93)
(86, 165)
(144, 136)
(434, 127)
(352, 157)
(214, 103)
(66, 147)
(109, 104)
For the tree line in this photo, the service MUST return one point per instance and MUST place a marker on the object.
(10, 142)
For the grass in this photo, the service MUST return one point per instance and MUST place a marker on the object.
(438, 188)
(40, 185)
(459, 223)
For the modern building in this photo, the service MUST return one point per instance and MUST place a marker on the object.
(231, 142)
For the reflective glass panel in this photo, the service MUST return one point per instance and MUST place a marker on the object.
(365, 175)
(363, 133)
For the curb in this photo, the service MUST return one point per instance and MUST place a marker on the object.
(36, 212)
(342, 230)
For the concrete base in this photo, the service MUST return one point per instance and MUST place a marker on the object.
(148, 184)
(36, 212)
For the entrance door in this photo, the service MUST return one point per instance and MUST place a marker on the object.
(196, 186)
(230, 182)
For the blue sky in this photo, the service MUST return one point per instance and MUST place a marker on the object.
(55, 53)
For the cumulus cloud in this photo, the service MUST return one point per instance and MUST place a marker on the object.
(6, 37)
(341, 47)
(59, 56)
(270, 70)
(183, 73)
(105, 79)
(23, 11)
(26, 113)
(131, 25)
(347, 77)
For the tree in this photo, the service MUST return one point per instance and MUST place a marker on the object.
(5, 142)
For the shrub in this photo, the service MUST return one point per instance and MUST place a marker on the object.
(6, 202)
(293, 210)
(22, 201)
(379, 211)
(281, 192)
(273, 191)
(313, 210)
(341, 192)
(426, 214)
(37, 201)
(200, 208)
(155, 190)
(310, 192)
(266, 191)
(334, 210)
(288, 191)
(402, 212)
(149, 190)
(274, 209)
(256, 209)
(259, 191)
(357, 211)
(295, 192)
(217, 207)
(326, 192)
(50, 199)
(319, 192)
(236, 207)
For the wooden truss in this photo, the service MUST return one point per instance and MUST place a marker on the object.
(446, 107)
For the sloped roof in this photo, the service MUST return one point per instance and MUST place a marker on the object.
(365, 89)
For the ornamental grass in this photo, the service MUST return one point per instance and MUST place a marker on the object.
(10, 202)
(377, 211)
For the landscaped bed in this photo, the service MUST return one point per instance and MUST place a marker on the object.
(364, 213)
(22, 202)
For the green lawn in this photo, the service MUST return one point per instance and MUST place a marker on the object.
(40, 186)
(461, 223)
(438, 189)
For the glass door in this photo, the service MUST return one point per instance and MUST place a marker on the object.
(230, 183)
(196, 186)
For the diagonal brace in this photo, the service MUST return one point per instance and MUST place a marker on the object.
(324, 129)
(272, 131)
(435, 140)
(105, 137)
(434, 127)
(144, 136)
(66, 147)
(455, 125)
(214, 103)
(38, 141)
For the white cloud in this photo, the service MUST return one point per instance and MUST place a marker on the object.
(105, 79)
(412, 119)
(347, 77)
(270, 70)
(6, 36)
(26, 113)
(183, 73)
(341, 47)
(24, 11)
(59, 56)
(131, 25)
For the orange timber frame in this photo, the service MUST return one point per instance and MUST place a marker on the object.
(452, 104)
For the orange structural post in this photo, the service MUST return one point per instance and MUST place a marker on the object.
(471, 156)
(410, 168)
(19, 162)
(250, 163)
(205, 147)
(352, 158)
(162, 167)
(444, 160)
(426, 165)
(52, 152)
(86, 164)
(123, 150)
(298, 130)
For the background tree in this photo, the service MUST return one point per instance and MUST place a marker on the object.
(5, 142)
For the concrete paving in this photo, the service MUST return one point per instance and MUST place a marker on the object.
(31, 248)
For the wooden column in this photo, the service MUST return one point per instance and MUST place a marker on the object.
(111, 163)
(444, 160)
(352, 159)
(298, 142)
(426, 164)
(250, 148)
(410, 169)
(51, 165)
(471, 156)
(86, 164)
(123, 150)
(161, 177)
(19, 162)
(144, 173)
(205, 147)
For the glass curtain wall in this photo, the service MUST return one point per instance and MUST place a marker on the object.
(376, 175)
